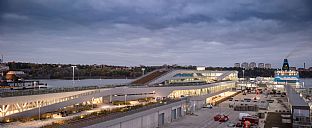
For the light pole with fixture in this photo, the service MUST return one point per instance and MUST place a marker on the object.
(73, 74)
(243, 79)
(125, 99)
(143, 69)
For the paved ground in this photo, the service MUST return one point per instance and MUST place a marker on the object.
(239, 99)
(204, 119)
(276, 105)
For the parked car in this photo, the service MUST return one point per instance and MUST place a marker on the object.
(270, 101)
(241, 115)
(231, 124)
(224, 118)
(217, 117)
(252, 119)
(208, 106)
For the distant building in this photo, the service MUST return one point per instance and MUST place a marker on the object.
(200, 68)
(237, 65)
(293, 68)
(260, 65)
(267, 66)
(245, 65)
(252, 65)
(14, 75)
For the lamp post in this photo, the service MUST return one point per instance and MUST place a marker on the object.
(244, 74)
(73, 74)
(243, 78)
(143, 69)
(125, 99)
(39, 103)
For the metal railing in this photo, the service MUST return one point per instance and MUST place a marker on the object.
(97, 119)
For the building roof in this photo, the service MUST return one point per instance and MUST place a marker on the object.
(294, 97)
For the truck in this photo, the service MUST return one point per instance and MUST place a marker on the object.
(252, 119)
(241, 115)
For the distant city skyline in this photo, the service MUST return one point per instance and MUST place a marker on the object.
(214, 33)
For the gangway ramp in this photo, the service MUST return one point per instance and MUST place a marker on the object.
(149, 77)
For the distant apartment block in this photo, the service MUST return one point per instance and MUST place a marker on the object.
(237, 65)
(260, 65)
(252, 65)
(245, 65)
(268, 66)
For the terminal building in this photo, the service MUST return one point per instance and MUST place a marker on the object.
(198, 86)
(165, 77)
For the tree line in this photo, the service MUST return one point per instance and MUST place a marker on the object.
(64, 71)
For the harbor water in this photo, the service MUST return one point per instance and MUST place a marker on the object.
(57, 83)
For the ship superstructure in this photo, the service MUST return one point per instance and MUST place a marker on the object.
(286, 76)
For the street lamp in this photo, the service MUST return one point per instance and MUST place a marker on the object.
(143, 69)
(243, 78)
(39, 103)
(125, 99)
(244, 74)
(73, 74)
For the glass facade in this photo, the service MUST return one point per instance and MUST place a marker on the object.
(207, 77)
(202, 91)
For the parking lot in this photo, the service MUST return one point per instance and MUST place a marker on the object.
(204, 119)
(248, 99)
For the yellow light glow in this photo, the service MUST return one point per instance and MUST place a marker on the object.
(90, 111)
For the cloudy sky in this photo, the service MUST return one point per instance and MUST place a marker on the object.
(156, 32)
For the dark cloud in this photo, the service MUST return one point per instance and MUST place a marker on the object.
(155, 32)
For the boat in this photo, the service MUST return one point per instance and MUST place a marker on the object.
(286, 76)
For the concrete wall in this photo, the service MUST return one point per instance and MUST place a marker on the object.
(197, 104)
(145, 119)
